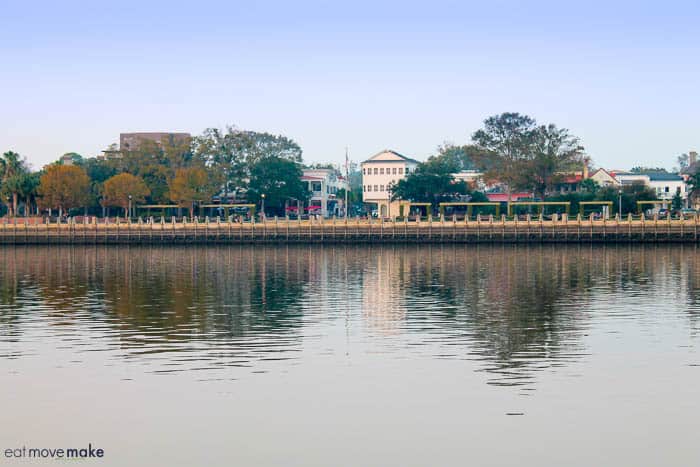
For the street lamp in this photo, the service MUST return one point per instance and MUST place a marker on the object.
(129, 206)
(262, 208)
(619, 203)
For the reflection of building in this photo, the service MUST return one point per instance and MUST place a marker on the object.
(383, 304)
(324, 184)
(134, 140)
(381, 171)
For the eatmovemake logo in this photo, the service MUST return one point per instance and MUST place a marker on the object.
(24, 452)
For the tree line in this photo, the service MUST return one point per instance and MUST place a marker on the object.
(520, 155)
(181, 172)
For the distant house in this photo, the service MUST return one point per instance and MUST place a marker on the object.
(604, 178)
(569, 183)
(381, 171)
(323, 186)
(665, 185)
(472, 178)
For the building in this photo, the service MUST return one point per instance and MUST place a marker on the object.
(324, 184)
(379, 173)
(131, 141)
(665, 185)
(605, 178)
(473, 178)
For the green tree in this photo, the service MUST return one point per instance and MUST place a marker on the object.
(677, 201)
(505, 142)
(457, 158)
(233, 153)
(12, 170)
(429, 183)
(589, 185)
(279, 179)
(642, 169)
(523, 155)
(554, 152)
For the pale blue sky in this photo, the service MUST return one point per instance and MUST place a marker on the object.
(623, 76)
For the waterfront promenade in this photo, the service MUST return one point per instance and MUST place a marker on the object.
(353, 230)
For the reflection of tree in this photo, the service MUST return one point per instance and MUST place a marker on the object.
(162, 299)
(517, 309)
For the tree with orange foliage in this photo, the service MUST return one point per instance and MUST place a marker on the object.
(117, 189)
(190, 185)
(64, 187)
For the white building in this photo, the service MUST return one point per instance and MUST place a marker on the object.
(381, 171)
(664, 184)
(324, 184)
(472, 178)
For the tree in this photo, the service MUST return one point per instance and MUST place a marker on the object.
(64, 187)
(429, 183)
(29, 182)
(642, 169)
(233, 153)
(523, 155)
(683, 162)
(693, 185)
(12, 170)
(457, 158)
(505, 142)
(156, 163)
(677, 201)
(554, 152)
(117, 189)
(630, 195)
(190, 185)
(588, 185)
(279, 179)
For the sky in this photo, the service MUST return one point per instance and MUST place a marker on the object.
(409, 76)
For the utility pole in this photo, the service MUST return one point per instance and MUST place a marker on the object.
(347, 182)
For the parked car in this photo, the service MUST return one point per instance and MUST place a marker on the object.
(688, 212)
(663, 212)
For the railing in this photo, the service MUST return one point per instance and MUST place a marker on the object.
(353, 230)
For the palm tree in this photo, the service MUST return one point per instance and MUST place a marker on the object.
(12, 168)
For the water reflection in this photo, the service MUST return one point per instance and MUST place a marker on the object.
(516, 310)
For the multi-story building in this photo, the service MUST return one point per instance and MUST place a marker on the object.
(323, 185)
(665, 185)
(133, 140)
(379, 173)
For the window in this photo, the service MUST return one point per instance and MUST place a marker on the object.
(364, 187)
(666, 189)
(400, 170)
(381, 171)
(376, 171)
(363, 171)
(316, 186)
(381, 187)
(407, 170)
(393, 171)
(375, 188)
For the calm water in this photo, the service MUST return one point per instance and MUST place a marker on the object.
(407, 356)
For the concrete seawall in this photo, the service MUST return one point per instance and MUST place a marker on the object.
(353, 231)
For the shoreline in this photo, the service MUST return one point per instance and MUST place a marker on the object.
(356, 231)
